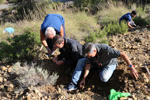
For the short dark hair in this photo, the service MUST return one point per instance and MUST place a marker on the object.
(57, 39)
(87, 48)
(134, 12)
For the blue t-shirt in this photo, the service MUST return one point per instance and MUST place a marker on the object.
(53, 20)
(9, 30)
(126, 17)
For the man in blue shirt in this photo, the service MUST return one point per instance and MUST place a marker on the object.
(128, 18)
(102, 57)
(53, 24)
(10, 31)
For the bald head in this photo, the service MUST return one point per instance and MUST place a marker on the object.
(50, 32)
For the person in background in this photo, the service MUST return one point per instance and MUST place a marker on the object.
(128, 18)
(70, 51)
(102, 57)
(53, 24)
(10, 31)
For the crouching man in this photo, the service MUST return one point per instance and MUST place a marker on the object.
(104, 57)
(70, 51)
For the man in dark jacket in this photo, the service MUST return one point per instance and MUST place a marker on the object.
(104, 58)
(70, 51)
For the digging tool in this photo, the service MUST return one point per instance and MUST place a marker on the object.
(36, 57)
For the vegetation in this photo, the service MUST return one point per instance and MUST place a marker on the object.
(1, 1)
(19, 47)
(92, 27)
(26, 73)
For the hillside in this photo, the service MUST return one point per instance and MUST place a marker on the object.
(135, 44)
(29, 74)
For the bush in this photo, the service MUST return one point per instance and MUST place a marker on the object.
(115, 28)
(138, 20)
(20, 47)
(111, 13)
(1, 1)
(31, 75)
(110, 29)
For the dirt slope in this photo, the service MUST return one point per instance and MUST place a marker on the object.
(135, 44)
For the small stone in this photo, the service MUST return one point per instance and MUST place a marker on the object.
(93, 87)
(1, 79)
(8, 66)
(59, 90)
(148, 98)
(123, 98)
(35, 91)
(1, 86)
(28, 98)
(89, 89)
(146, 80)
(40, 94)
(134, 98)
(10, 88)
(9, 70)
(3, 68)
(45, 98)
(5, 79)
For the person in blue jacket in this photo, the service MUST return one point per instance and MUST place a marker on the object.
(128, 18)
(10, 31)
(53, 24)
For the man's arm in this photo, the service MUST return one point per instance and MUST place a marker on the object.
(42, 36)
(133, 71)
(128, 23)
(87, 70)
(62, 31)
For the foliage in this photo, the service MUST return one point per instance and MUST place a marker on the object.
(29, 9)
(115, 28)
(91, 38)
(111, 13)
(110, 29)
(25, 75)
(1, 1)
(19, 47)
(138, 20)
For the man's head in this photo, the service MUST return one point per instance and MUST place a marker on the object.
(58, 41)
(50, 32)
(133, 13)
(89, 50)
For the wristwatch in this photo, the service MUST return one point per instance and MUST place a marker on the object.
(131, 66)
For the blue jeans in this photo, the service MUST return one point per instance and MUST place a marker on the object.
(104, 74)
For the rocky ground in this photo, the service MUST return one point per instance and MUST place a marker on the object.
(135, 44)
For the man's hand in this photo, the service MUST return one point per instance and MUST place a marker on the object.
(134, 73)
(55, 59)
(82, 83)
(49, 50)
(59, 62)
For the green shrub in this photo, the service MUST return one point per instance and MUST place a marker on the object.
(111, 13)
(1, 1)
(115, 28)
(138, 20)
(91, 38)
(19, 47)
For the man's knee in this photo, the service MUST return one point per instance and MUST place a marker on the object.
(104, 78)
